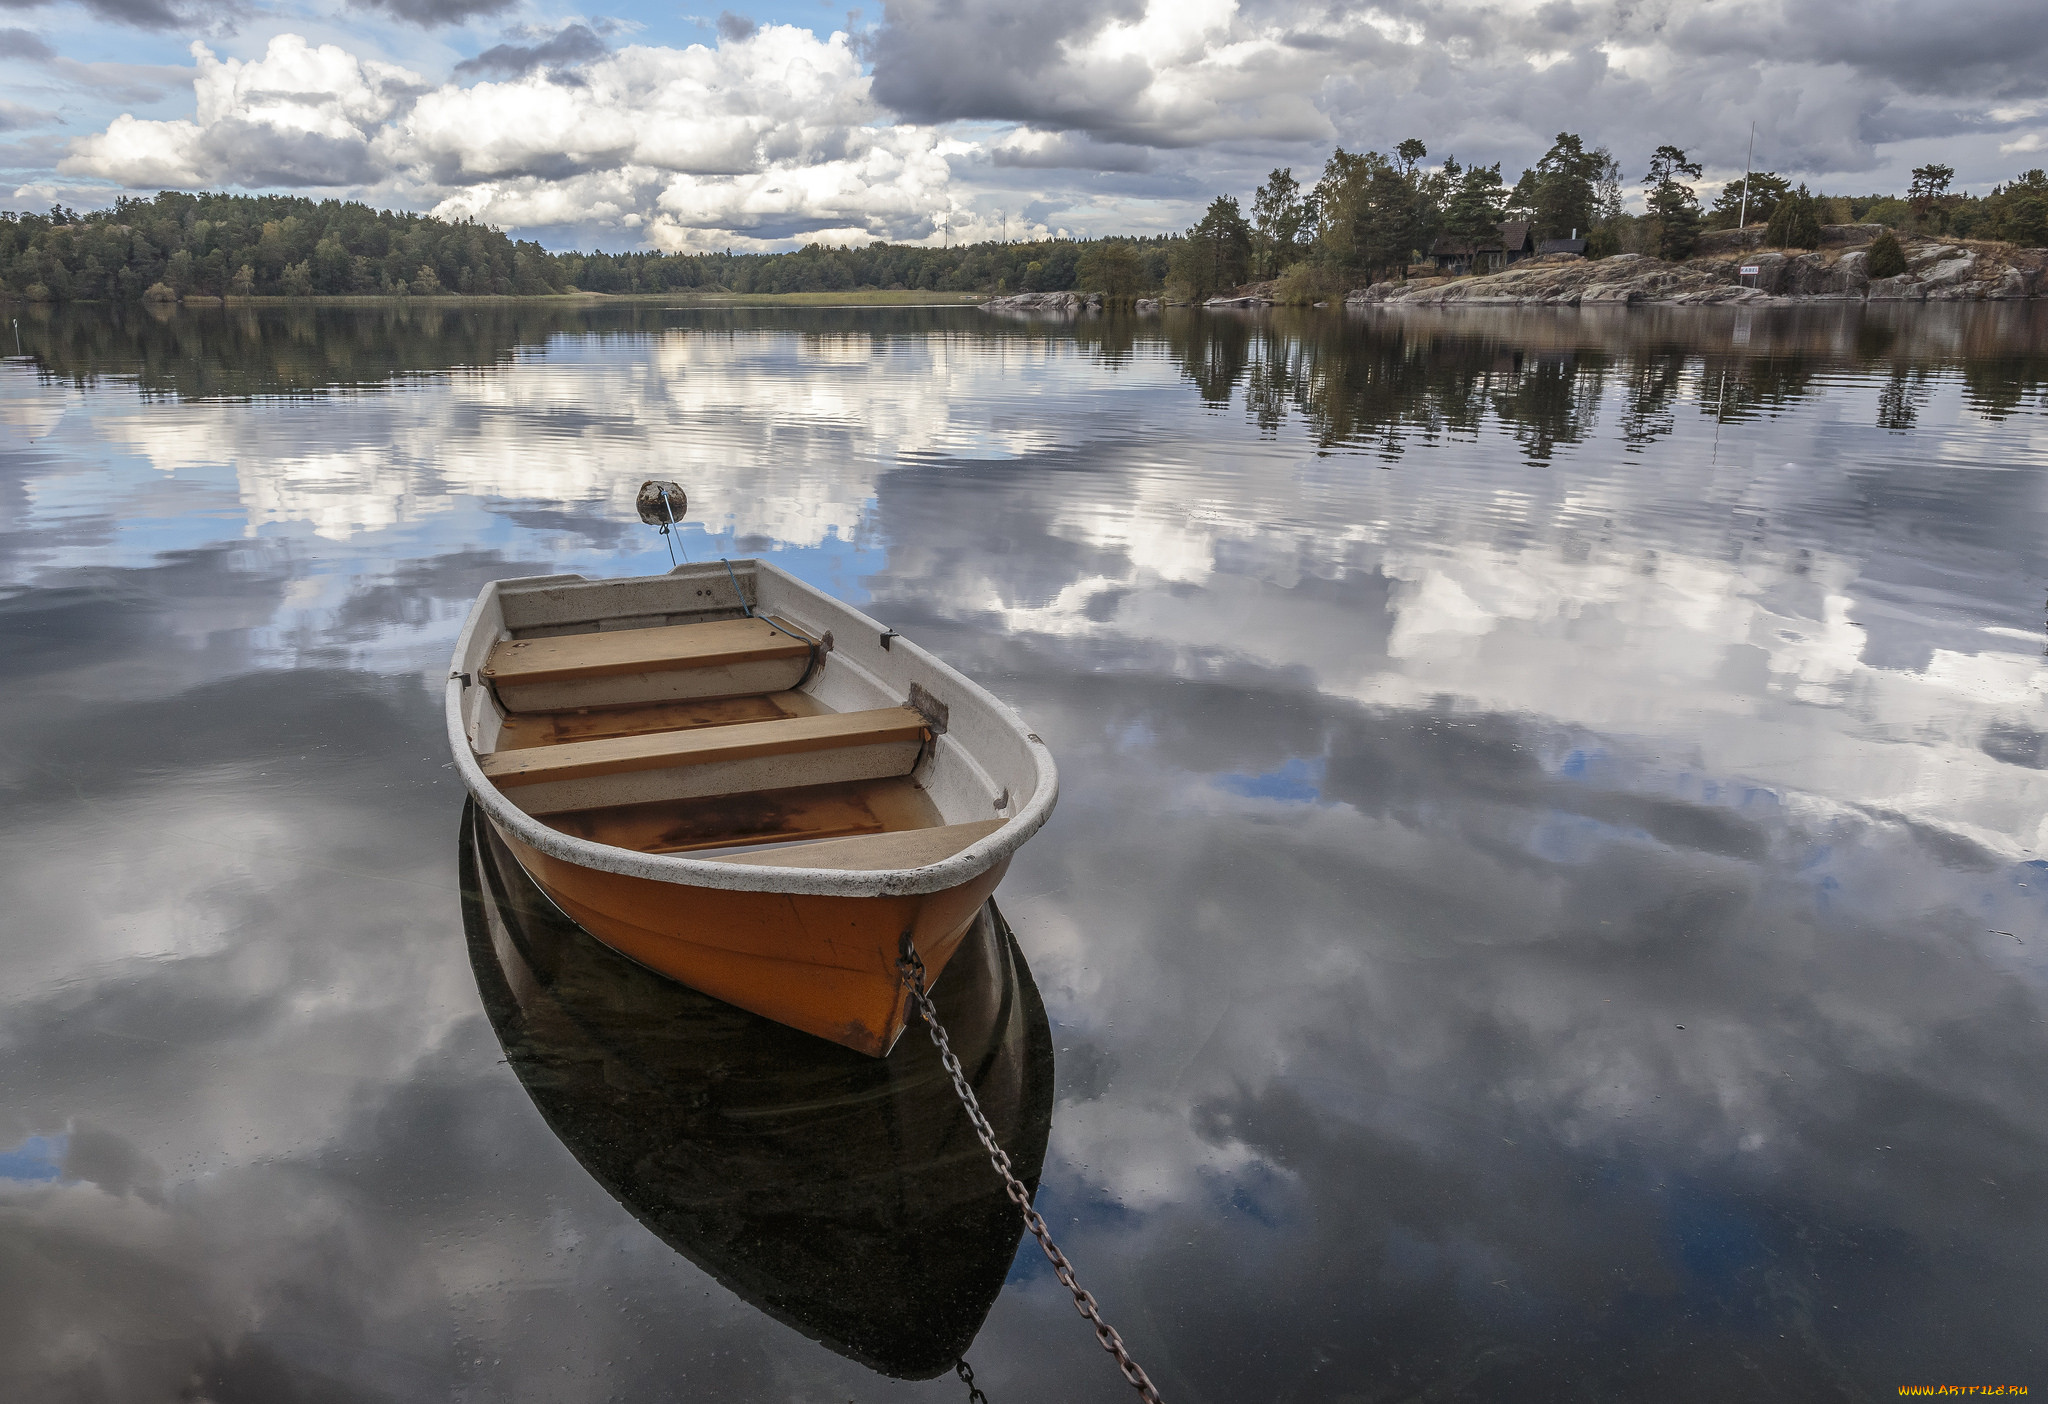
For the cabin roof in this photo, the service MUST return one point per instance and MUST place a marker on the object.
(1513, 237)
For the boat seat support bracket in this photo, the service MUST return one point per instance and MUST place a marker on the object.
(935, 712)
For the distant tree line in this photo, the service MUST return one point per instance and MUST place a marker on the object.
(1368, 216)
(1372, 216)
(1046, 265)
(241, 245)
(179, 245)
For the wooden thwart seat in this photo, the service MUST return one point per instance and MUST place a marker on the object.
(525, 729)
(568, 656)
(667, 750)
(724, 658)
(912, 848)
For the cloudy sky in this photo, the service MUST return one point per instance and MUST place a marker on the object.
(778, 123)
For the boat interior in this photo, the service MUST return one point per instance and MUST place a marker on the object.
(733, 736)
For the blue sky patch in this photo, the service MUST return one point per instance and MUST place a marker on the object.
(1299, 779)
(37, 1158)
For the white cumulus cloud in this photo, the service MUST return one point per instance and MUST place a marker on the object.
(298, 116)
(772, 136)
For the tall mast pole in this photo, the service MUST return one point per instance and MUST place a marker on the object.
(1747, 162)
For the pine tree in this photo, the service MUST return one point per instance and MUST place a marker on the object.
(1215, 254)
(1928, 194)
(1477, 205)
(1281, 218)
(1672, 203)
(1563, 190)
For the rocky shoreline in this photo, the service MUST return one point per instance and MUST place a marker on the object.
(1936, 271)
(1059, 304)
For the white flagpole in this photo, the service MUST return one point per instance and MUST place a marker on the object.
(1747, 162)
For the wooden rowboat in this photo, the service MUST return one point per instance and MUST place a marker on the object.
(742, 783)
(845, 1196)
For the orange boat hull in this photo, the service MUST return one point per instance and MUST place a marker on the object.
(825, 965)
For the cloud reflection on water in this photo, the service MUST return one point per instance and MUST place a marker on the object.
(1408, 816)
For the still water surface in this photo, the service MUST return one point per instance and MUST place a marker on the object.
(1549, 898)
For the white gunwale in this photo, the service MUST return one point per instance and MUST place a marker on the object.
(979, 724)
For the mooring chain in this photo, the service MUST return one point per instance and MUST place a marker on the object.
(966, 1374)
(912, 966)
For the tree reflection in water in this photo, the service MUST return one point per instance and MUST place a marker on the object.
(1383, 381)
(1386, 381)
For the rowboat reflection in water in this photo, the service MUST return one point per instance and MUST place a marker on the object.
(844, 1195)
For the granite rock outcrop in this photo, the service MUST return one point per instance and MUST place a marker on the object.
(1936, 271)
(1058, 304)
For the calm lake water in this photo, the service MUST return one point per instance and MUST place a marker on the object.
(1549, 898)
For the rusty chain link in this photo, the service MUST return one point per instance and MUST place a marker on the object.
(966, 1374)
(912, 966)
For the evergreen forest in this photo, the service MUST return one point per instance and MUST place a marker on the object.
(1368, 216)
